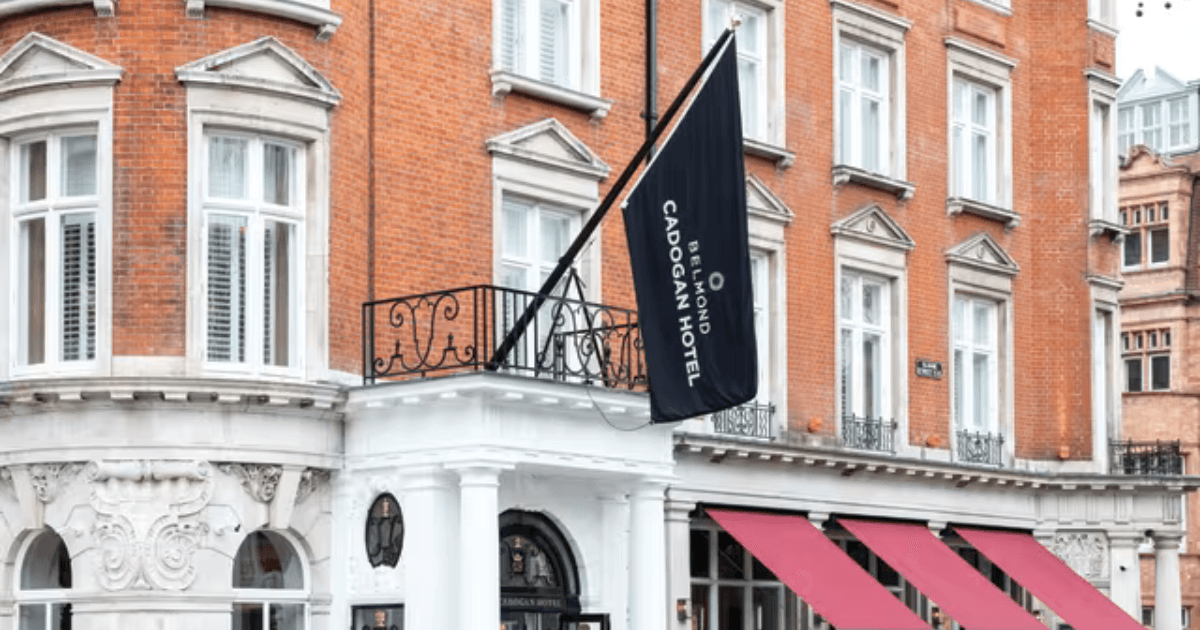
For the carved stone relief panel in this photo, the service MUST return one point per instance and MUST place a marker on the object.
(311, 480)
(1085, 552)
(148, 526)
(49, 479)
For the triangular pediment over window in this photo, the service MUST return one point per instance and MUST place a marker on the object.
(764, 204)
(39, 62)
(265, 66)
(873, 225)
(549, 144)
(983, 252)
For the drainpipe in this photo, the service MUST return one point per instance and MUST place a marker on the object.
(651, 113)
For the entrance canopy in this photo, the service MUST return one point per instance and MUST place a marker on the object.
(819, 571)
(962, 592)
(1050, 580)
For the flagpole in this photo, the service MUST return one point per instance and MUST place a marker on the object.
(568, 257)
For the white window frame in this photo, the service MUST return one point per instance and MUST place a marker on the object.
(224, 98)
(1102, 146)
(1179, 117)
(268, 596)
(981, 270)
(1107, 368)
(1102, 13)
(581, 87)
(1003, 7)
(855, 324)
(1151, 133)
(870, 243)
(868, 28)
(770, 137)
(989, 72)
(1126, 129)
(256, 213)
(970, 349)
(31, 597)
(37, 105)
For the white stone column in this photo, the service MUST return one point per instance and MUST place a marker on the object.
(679, 570)
(1126, 571)
(430, 549)
(647, 558)
(1167, 596)
(479, 540)
(614, 594)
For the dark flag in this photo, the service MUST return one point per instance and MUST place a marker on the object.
(689, 247)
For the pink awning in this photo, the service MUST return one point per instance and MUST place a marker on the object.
(934, 569)
(1050, 580)
(818, 571)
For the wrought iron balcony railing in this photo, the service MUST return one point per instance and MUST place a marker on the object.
(754, 420)
(1146, 458)
(458, 330)
(869, 434)
(980, 448)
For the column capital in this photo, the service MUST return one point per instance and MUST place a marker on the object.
(649, 489)
(818, 519)
(936, 527)
(479, 473)
(1124, 539)
(679, 510)
(1166, 539)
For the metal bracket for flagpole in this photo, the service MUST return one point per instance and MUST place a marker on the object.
(585, 234)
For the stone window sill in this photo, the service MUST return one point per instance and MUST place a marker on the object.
(104, 8)
(844, 174)
(1101, 227)
(504, 81)
(307, 12)
(781, 156)
(962, 205)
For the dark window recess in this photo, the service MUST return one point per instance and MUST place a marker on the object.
(700, 553)
(1133, 250)
(1133, 375)
(1160, 372)
(1160, 245)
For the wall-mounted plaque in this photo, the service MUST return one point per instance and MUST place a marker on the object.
(929, 369)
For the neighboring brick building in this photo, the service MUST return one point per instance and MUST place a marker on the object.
(1158, 196)
(217, 413)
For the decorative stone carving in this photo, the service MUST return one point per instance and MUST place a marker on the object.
(311, 480)
(49, 479)
(147, 525)
(260, 481)
(1086, 553)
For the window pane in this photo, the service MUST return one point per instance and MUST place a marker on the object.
(749, 84)
(983, 325)
(699, 552)
(1133, 375)
(959, 387)
(766, 608)
(33, 291)
(47, 564)
(1133, 249)
(979, 164)
(555, 236)
(247, 616)
(78, 290)
(60, 617)
(982, 385)
(277, 174)
(700, 607)
(267, 560)
(847, 372)
(79, 166)
(510, 34)
(960, 319)
(871, 73)
(226, 288)
(552, 53)
(515, 230)
(960, 98)
(845, 104)
(731, 557)
(227, 167)
(846, 63)
(1160, 246)
(286, 616)
(33, 171)
(979, 109)
(870, 303)
(1160, 372)
(957, 161)
(730, 611)
(749, 33)
(277, 289)
(870, 133)
(33, 616)
(872, 376)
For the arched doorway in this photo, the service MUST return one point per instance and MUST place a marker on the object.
(539, 582)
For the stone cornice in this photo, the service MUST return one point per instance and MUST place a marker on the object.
(268, 394)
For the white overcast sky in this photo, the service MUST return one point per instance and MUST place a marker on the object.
(1168, 38)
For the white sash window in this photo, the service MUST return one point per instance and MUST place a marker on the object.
(976, 376)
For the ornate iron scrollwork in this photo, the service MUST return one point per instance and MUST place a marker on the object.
(869, 434)
(980, 448)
